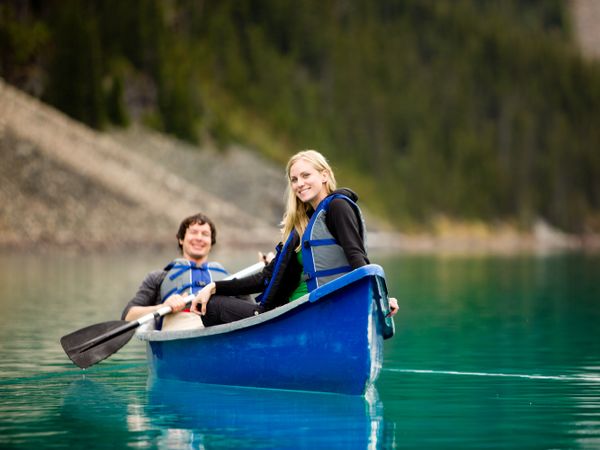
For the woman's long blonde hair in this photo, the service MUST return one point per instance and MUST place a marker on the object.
(295, 216)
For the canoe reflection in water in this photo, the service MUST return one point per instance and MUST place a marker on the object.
(195, 415)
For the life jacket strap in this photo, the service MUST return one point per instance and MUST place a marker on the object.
(184, 268)
(318, 242)
(218, 269)
(325, 273)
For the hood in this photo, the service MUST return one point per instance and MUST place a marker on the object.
(348, 193)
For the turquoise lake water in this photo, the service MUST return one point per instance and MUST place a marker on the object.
(489, 352)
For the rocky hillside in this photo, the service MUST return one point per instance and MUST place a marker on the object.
(65, 184)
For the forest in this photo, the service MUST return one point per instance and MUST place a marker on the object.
(468, 109)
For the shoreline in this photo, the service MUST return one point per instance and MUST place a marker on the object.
(504, 243)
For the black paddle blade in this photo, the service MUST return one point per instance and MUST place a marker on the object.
(92, 344)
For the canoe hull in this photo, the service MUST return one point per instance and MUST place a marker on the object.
(331, 342)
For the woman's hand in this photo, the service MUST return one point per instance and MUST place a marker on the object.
(266, 258)
(202, 299)
(176, 302)
(393, 306)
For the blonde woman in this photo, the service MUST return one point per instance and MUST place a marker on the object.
(323, 237)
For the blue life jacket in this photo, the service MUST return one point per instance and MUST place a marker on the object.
(323, 257)
(184, 276)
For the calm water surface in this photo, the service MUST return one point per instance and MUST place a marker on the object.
(489, 352)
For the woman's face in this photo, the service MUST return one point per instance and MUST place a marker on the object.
(308, 183)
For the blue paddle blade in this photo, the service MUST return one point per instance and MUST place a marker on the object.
(90, 345)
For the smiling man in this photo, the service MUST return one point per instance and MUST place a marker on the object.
(196, 236)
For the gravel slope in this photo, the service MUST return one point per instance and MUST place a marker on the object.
(63, 183)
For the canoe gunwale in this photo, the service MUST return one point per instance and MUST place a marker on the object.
(157, 335)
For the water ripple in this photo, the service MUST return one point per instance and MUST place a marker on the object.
(581, 377)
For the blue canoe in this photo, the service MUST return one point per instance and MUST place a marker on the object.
(328, 341)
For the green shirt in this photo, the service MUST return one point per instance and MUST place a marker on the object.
(302, 288)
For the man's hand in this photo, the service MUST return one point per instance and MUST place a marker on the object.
(176, 302)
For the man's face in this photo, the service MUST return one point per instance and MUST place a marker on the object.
(196, 243)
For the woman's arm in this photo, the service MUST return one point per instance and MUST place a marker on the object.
(345, 227)
(248, 285)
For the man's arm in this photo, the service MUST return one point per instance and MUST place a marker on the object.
(175, 301)
(146, 299)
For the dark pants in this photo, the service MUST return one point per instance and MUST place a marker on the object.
(222, 309)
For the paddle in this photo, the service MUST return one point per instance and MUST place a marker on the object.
(89, 345)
